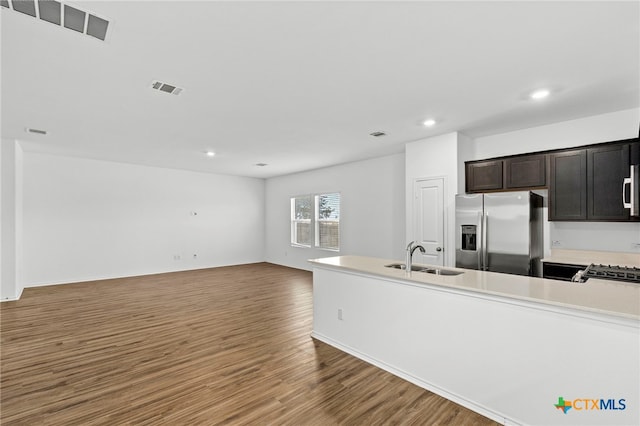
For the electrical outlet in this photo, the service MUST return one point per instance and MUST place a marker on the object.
(556, 243)
(195, 256)
(340, 314)
(176, 257)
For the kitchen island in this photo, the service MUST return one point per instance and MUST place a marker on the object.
(505, 346)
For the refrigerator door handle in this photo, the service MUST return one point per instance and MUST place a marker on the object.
(625, 182)
(635, 181)
(485, 246)
(480, 242)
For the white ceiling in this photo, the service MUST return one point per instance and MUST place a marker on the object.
(300, 85)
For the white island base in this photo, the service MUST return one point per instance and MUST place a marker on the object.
(509, 359)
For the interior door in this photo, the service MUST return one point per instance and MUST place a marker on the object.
(428, 220)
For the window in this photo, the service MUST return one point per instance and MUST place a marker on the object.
(301, 221)
(315, 221)
(327, 224)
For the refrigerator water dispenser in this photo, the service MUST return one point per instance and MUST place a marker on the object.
(469, 237)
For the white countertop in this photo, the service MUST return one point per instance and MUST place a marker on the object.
(600, 296)
(587, 257)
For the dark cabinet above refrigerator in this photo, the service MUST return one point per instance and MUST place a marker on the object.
(505, 174)
(597, 182)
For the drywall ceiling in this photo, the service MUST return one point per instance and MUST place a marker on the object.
(301, 85)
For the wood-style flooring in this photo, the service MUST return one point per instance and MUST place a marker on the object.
(226, 345)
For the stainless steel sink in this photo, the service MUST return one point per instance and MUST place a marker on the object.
(441, 271)
(416, 268)
(402, 266)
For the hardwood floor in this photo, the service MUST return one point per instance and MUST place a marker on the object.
(225, 345)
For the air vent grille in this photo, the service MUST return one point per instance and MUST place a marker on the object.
(37, 131)
(24, 6)
(52, 11)
(74, 18)
(165, 87)
(97, 27)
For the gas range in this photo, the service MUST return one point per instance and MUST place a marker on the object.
(629, 274)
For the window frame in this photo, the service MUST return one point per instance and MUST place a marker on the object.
(295, 221)
(314, 221)
(318, 220)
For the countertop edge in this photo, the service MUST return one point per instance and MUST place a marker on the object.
(393, 275)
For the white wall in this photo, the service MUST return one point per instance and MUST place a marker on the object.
(601, 236)
(10, 218)
(466, 152)
(7, 219)
(372, 210)
(87, 219)
(429, 158)
(583, 131)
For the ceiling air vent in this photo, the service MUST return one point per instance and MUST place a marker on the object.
(36, 131)
(50, 11)
(97, 27)
(26, 7)
(61, 15)
(167, 88)
(378, 134)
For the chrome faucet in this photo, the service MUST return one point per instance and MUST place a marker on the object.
(410, 249)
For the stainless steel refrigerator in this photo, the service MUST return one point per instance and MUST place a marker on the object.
(500, 232)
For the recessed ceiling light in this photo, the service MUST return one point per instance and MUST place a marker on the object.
(211, 154)
(430, 122)
(539, 94)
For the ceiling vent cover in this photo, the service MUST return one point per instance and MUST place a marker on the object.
(36, 131)
(165, 87)
(62, 15)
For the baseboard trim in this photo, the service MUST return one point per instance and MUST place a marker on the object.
(471, 405)
(134, 275)
(13, 299)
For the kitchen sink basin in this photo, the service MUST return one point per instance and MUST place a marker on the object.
(402, 266)
(416, 268)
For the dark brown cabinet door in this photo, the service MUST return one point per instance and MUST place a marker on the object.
(484, 176)
(606, 168)
(528, 171)
(568, 185)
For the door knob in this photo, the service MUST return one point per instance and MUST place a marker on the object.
(438, 248)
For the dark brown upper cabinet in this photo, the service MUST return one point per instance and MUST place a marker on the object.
(586, 184)
(509, 173)
(483, 176)
(568, 185)
(527, 171)
(607, 166)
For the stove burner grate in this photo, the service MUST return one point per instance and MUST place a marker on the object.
(611, 272)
